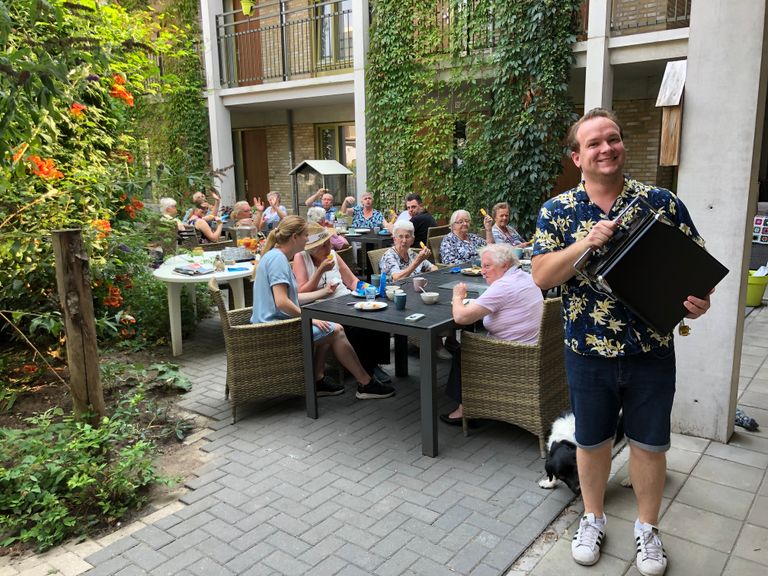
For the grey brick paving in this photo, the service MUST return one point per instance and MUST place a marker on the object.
(347, 494)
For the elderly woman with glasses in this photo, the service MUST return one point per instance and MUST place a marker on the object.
(461, 245)
(399, 261)
(510, 309)
(502, 232)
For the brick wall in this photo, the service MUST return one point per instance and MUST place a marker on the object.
(632, 16)
(641, 121)
(277, 158)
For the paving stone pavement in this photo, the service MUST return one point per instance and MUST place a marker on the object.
(350, 493)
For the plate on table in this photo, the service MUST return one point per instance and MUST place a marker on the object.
(370, 306)
(362, 230)
(472, 271)
(352, 234)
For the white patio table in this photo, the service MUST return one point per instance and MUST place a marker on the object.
(174, 281)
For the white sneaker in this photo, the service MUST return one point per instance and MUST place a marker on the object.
(651, 559)
(585, 547)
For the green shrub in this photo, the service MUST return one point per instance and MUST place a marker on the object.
(62, 477)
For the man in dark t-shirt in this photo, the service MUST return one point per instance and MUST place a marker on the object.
(421, 221)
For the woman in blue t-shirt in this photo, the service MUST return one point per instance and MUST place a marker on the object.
(276, 297)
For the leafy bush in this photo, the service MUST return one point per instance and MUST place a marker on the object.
(80, 130)
(60, 478)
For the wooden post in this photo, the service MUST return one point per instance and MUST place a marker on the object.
(73, 279)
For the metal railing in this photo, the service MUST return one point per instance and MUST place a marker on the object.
(633, 16)
(276, 42)
(473, 38)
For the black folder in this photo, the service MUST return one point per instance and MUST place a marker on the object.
(652, 268)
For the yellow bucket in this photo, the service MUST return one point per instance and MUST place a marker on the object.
(755, 289)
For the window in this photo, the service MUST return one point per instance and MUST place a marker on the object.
(334, 34)
(337, 142)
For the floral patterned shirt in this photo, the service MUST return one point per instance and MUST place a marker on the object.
(454, 250)
(360, 221)
(511, 236)
(596, 324)
(391, 262)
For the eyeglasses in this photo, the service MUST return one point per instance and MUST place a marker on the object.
(461, 222)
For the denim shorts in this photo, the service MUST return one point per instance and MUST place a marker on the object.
(643, 385)
(318, 334)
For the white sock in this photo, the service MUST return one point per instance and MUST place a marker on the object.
(641, 527)
(599, 520)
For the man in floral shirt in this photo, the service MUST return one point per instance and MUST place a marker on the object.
(363, 215)
(613, 360)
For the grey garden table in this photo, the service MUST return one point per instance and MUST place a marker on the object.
(437, 321)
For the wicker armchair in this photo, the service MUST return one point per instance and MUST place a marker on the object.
(523, 384)
(216, 246)
(263, 360)
(374, 257)
(434, 246)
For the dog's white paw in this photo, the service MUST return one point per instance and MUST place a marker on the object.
(626, 482)
(547, 483)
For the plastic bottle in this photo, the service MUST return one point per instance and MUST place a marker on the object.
(383, 285)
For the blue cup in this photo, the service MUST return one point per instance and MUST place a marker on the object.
(370, 293)
(376, 279)
(399, 300)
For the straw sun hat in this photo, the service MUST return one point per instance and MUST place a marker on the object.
(317, 235)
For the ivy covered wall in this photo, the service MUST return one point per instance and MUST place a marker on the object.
(468, 103)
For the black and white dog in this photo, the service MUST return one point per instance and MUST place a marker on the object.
(561, 453)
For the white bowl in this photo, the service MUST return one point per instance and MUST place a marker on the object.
(429, 297)
(390, 291)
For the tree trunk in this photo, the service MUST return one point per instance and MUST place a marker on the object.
(73, 279)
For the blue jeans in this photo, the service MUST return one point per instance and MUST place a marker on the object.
(643, 385)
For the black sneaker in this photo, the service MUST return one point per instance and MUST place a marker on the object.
(374, 389)
(326, 387)
(382, 376)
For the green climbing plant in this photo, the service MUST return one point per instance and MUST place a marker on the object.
(477, 114)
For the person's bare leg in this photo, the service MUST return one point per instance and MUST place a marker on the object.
(594, 469)
(346, 355)
(321, 355)
(648, 472)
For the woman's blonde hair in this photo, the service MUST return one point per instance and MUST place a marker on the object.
(283, 232)
(240, 207)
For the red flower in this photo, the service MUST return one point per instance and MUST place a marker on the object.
(103, 226)
(20, 151)
(77, 109)
(138, 204)
(44, 168)
(115, 298)
(125, 155)
(118, 79)
(119, 91)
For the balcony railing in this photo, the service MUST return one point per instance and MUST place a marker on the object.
(473, 38)
(632, 16)
(276, 43)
